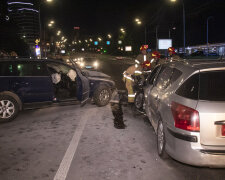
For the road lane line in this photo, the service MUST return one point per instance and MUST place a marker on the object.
(62, 172)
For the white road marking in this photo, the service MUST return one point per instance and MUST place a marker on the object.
(62, 172)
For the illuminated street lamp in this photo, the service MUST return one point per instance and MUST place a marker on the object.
(122, 30)
(58, 33)
(184, 23)
(90, 40)
(109, 36)
(100, 39)
(137, 19)
(139, 22)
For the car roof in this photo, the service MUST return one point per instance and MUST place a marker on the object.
(201, 64)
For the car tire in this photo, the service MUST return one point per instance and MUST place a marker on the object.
(9, 108)
(139, 101)
(161, 140)
(102, 96)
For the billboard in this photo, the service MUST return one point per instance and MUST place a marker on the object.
(63, 51)
(164, 44)
(128, 48)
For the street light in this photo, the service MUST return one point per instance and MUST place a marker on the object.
(184, 23)
(109, 36)
(48, 1)
(122, 30)
(137, 19)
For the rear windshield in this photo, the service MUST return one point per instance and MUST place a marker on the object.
(212, 86)
(189, 89)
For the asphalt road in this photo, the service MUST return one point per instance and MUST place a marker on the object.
(88, 143)
(115, 69)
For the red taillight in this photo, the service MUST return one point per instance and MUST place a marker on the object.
(185, 118)
(223, 130)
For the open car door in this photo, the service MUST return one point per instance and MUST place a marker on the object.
(83, 85)
(84, 89)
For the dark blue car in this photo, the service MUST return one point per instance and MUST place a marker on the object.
(37, 83)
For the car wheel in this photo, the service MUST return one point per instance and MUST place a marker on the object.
(139, 101)
(102, 96)
(161, 141)
(9, 108)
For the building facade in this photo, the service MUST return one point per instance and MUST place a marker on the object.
(25, 13)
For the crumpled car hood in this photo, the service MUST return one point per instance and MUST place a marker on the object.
(96, 74)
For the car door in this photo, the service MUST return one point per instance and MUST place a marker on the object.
(158, 90)
(84, 87)
(82, 82)
(147, 90)
(31, 82)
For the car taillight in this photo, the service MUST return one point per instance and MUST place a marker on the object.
(185, 117)
(223, 130)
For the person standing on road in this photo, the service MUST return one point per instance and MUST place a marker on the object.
(144, 56)
(134, 70)
(173, 55)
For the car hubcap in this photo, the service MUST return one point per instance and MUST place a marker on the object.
(7, 109)
(160, 137)
(104, 96)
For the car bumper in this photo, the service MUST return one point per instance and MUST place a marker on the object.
(193, 153)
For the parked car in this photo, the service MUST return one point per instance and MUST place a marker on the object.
(34, 83)
(185, 103)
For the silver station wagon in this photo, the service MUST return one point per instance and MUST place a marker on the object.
(185, 103)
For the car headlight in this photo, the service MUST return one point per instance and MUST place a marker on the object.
(82, 64)
(96, 64)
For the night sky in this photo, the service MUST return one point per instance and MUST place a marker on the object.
(100, 17)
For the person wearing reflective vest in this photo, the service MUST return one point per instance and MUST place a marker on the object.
(134, 70)
(173, 55)
(144, 56)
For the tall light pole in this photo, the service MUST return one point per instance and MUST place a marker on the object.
(207, 34)
(40, 27)
(184, 23)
